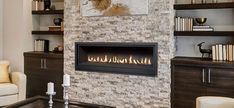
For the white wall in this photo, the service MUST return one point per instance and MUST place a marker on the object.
(16, 36)
(1, 29)
(219, 19)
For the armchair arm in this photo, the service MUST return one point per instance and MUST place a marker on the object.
(19, 79)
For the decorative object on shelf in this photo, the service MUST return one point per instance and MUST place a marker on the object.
(204, 51)
(37, 5)
(114, 7)
(58, 49)
(47, 4)
(50, 92)
(201, 21)
(58, 21)
(66, 85)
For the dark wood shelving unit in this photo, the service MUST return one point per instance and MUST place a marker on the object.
(47, 32)
(203, 6)
(204, 33)
(48, 12)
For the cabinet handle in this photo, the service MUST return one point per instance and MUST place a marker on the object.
(45, 63)
(203, 76)
(209, 80)
(41, 63)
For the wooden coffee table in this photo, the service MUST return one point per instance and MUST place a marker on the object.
(42, 102)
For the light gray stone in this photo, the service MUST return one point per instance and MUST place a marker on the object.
(122, 91)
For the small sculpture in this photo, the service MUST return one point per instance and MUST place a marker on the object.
(204, 51)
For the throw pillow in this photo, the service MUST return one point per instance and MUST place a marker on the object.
(4, 74)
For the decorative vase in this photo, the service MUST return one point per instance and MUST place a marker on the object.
(47, 4)
(57, 21)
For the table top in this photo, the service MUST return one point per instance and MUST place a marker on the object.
(42, 102)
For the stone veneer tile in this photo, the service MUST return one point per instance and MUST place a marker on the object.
(122, 91)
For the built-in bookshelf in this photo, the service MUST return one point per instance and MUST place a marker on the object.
(203, 7)
(44, 26)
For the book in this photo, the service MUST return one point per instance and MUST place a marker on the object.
(208, 29)
(224, 53)
(220, 52)
(233, 53)
(201, 27)
(213, 53)
(230, 52)
(41, 45)
(217, 52)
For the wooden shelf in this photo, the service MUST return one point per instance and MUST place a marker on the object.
(47, 12)
(47, 32)
(204, 33)
(203, 6)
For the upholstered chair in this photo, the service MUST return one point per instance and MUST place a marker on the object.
(214, 102)
(14, 90)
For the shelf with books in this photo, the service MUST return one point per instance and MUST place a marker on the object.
(47, 32)
(204, 33)
(43, 12)
(203, 6)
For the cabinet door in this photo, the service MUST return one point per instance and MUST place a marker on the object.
(32, 64)
(187, 86)
(221, 82)
(40, 71)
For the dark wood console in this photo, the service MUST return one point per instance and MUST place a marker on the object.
(42, 68)
(194, 77)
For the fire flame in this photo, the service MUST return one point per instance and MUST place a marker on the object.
(118, 60)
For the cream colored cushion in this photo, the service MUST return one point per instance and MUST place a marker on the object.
(4, 72)
(214, 102)
(8, 89)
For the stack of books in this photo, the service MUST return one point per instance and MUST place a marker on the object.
(202, 28)
(221, 52)
(183, 24)
(41, 45)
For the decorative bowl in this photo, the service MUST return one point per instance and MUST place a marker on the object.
(201, 21)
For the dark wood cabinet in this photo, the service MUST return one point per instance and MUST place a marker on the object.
(194, 77)
(42, 68)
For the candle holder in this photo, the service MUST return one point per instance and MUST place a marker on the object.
(65, 95)
(51, 98)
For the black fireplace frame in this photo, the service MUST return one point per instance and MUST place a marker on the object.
(152, 71)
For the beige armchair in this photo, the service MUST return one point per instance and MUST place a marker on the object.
(214, 102)
(14, 91)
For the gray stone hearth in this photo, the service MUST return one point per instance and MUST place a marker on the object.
(116, 89)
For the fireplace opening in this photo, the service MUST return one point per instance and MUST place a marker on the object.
(121, 58)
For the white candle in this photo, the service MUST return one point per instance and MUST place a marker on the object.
(50, 88)
(66, 80)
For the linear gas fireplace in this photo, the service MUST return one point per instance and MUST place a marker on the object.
(121, 58)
